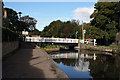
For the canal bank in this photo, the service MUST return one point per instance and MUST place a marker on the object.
(110, 49)
(30, 61)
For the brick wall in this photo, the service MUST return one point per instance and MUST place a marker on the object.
(8, 47)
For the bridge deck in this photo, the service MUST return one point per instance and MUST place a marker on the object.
(54, 40)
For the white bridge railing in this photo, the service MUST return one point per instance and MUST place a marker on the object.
(54, 40)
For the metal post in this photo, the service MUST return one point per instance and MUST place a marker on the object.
(83, 37)
(94, 42)
(1, 16)
(76, 34)
(82, 33)
(118, 41)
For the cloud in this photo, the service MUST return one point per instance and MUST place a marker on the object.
(41, 24)
(83, 14)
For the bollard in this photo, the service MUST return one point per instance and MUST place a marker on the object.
(95, 42)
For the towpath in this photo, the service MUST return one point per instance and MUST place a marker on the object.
(30, 61)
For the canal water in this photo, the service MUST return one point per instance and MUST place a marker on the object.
(87, 64)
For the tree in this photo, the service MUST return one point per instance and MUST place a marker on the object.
(53, 29)
(106, 17)
(95, 33)
(67, 30)
(11, 19)
(20, 13)
(61, 29)
(35, 32)
(22, 26)
(30, 21)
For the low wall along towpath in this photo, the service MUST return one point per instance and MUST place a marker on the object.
(8, 47)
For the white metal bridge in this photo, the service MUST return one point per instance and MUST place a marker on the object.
(52, 40)
(69, 41)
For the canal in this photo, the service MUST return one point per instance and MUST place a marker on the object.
(87, 64)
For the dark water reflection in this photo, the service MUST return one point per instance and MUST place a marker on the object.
(88, 64)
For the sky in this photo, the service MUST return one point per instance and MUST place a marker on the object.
(46, 12)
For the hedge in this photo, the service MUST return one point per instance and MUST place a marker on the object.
(9, 35)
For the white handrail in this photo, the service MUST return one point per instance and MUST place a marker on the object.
(55, 40)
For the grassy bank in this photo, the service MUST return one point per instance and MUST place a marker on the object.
(115, 49)
(108, 47)
(112, 49)
(50, 47)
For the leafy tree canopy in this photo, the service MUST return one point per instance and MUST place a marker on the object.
(106, 17)
(30, 21)
(62, 29)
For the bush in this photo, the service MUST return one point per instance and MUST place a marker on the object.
(49, 46)
(8, 35)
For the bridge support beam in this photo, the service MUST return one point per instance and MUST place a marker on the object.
(39, 44)
(71, 47)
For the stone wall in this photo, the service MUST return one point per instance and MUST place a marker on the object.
(8, 47)
(117, 63)
(118, 38)
(84, 46)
